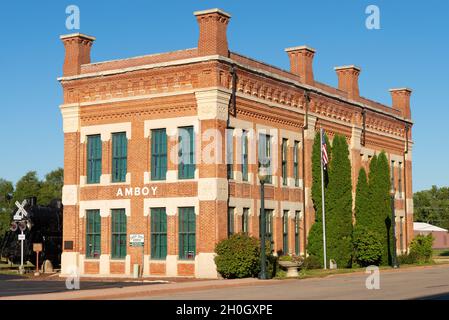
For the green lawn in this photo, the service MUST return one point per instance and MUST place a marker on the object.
(441, 252)
(321, 273)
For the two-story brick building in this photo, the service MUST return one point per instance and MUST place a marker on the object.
(167, 145)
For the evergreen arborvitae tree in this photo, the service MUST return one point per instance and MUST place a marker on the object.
(362, 201)
(365, 253)
(383, 172)
(379, 205)
(339, 205)
(315, 237)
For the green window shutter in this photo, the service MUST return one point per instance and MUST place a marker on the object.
(230, 221)
(400, 180)
(158, 154)
(230, 152)
(94, 153)
(296, 163)
(245, 155)
(285, 232)
(93, 234)
(245, 221)
(186, 167)
(284, 161)
(297, 232)
(187, 233)
(119, 157)
(118, 234)
(158, 233)
(268, 226)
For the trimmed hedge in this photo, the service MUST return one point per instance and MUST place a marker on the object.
(421, 246)
(238, 256)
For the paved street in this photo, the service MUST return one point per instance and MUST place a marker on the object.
(408, 283)
(429, 283)
(11, 285)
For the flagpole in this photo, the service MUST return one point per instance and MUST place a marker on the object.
(322, 200)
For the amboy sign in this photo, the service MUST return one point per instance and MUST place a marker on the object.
(136, 191)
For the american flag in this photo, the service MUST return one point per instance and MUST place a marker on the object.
(324, 156)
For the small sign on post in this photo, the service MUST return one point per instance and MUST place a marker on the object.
(37, 247)
(138, 240)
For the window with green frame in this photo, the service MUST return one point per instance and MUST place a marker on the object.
(187, 233)
(297, 214)
(94, 147)
(284, 161)
(265, 154)
(158, 154)
(93, 234)
(268, 226)
(296, 163)
(245, 220)
(119, 156)
(230, 152)
(245, 155)
(230, 221)
(186, 153)
(285, 232)
(158, 233)
(118, 234)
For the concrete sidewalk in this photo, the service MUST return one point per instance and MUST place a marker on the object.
(141, 290)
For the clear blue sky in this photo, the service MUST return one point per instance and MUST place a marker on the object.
(410, 50)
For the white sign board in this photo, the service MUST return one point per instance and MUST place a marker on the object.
(21, 212)
(21, 237)
(136, 240)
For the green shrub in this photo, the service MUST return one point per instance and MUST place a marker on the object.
(421, 246)
(367, 247)
(238, 256)
(410, 258)
(312, 262)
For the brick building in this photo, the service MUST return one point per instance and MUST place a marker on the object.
(167, 145)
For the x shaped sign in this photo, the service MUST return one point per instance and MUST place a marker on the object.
(21, 212)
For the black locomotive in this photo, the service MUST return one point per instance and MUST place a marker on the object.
(43, 224)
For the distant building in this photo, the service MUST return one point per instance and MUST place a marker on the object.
(168, 145)
(440, 235)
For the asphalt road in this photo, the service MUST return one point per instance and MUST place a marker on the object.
(428, 283)
(11, 285)
(416, 283)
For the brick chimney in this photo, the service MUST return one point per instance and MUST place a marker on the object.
(77, 52)
(213, 24)
(301, 60)
(348, 80)
(401, 101)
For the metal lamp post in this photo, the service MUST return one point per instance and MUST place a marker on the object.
(393, 224)
(263, 174)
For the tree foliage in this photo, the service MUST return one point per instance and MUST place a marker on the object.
(379, 207)
(315, 237)
(421, 247)
(6, 187)
(238, 256)
(367, 246)
(339, 205)
(28, 186)
(432, 206)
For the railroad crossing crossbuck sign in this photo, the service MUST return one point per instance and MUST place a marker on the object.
(21, 212)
